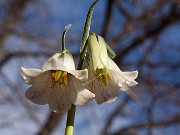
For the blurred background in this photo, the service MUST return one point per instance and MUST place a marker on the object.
(145, 35)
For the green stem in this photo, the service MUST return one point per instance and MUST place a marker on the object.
(110, 52)
(70, 121)
(82, 56)
(87, 25)
(71, 112)
(64, 35)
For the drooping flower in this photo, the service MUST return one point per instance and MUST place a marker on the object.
(57, 83)
(105, 77)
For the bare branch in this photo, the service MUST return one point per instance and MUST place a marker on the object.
(108, 17)
(163, 23)
(21, 99)
(51, 123)
(172, 121)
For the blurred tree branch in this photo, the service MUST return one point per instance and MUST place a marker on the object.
(10, 55)
(148, 23)
(14, 12)
(30, 111)
(171, 121)
(162, 23)
(114, 114)
(50, 124)
(108, 17)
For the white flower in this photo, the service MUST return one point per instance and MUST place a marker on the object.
(57, 83)
(106, 79)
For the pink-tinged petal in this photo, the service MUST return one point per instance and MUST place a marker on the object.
(38, 93)
(103, 93)
(58, 99)
(29, 74)
(77, 93)
(39, 96)
(79, 74)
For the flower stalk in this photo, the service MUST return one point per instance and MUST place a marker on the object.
(64, 35)
(71, 113)
(70, 121)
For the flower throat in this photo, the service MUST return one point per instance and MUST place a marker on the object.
(60, 77)
(103, 76)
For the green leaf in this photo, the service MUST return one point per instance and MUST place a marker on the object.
(87, 25)
(110, 52)
(64, 35)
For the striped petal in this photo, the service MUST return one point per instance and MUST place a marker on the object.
(103, 93)
(58, 99)
(77, 93)
(38, 93)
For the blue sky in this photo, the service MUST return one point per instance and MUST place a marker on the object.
(46, 20)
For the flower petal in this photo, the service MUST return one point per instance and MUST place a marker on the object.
(112, 65)
(103, 93)
(53, 63)
(67, 60)
(77, 93)
(94, 52)
(58, 99)
(125, 83)
(132, 75)
(79, 74)
(29, 74)
(103, 51)
(38, 93)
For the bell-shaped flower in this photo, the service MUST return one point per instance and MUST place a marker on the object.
(57, 83)
(105, 77)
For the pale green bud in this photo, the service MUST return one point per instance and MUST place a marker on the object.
(97, 54)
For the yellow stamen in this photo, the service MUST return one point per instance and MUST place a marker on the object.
(105, 82)
(65, 81)
(106, 75)
(57, 75)
(109, 74)
(104, 78)
(64, 74)
(60, 77)
(100, 78)
(53, 75)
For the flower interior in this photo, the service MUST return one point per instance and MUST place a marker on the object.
(103, 76)
(60, 77)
